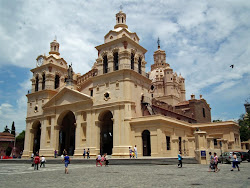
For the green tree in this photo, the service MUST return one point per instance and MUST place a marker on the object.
(13, 129)
(20, 140)
(244, 123)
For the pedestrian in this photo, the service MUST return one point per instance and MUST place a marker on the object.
(66, 160)
(216, 163)
(64, 152)
(135, 150)
(235, 162)
(180, 160)
(88, 153)
(32, 159)
(130, 152)
(98, 160)
(106, 161)
(55, 153)
(211, 162)
(36, 162)
(84, 153)
(43, 160)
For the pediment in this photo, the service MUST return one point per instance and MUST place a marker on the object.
(67, 96)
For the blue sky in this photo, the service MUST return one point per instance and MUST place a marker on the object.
(201, 39)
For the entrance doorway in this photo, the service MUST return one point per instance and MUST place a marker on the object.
(146, 143)
(106, 132)
(37, 136)
(67, 133)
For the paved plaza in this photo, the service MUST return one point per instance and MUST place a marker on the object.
(191, 175)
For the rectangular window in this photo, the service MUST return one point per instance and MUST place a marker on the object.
(215, 142)
(168, 142)
(203, 110)
(91, 92)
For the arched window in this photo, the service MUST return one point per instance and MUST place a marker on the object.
(43, 83)
(57, 81)
(116, 64)
(118, 20)
(105, 64)
(132, 61)
(54, 48)
(122, 19)
(139, 65)
(37, 83)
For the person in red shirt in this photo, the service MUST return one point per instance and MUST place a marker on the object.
(36, 162)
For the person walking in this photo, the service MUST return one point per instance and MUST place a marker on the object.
(98, 160)
(64, 152)
(216, 169)
(235, 162)
(36, 162)
(211, 162)
(88, 153)
(84, 153)
(32, 160)
(180, 160)
(106, 161)
(135, 150)
(43, 160)
(66, 160)
(130, 152)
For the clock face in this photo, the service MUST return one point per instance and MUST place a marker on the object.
(40, 61)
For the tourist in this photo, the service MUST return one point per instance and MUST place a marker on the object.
(36, 162)
(64, 152)
(66, 160)
(216, 163)
(32, 159)
(211, 162)
(130, 152)
(43, 160)
(106, 161)
(135, 150)
(235, 162)
(84, 153)
(88, 153)
(98, 160)
(55, 153)
(180, 160)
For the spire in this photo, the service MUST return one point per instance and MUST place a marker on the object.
(121, 19)
(54, 47)
(158, 42)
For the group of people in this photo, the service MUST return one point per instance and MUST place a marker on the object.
(86, 153)
(133, 153)
(214, 162)
(35, 160)
(102, 160)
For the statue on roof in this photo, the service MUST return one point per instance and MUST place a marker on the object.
(70, 75)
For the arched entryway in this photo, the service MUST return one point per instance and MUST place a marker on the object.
(36, 129)
(146, 143)
(106, 132)
(67, 132)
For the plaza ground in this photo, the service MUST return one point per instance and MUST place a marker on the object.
(87, 175)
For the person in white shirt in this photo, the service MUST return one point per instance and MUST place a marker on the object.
(135, 150)
(43, 160)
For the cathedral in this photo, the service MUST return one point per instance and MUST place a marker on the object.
(117, 105)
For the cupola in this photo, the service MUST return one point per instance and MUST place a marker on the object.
(120, 20)
(54, 48)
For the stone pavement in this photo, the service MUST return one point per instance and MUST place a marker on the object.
(191, 175)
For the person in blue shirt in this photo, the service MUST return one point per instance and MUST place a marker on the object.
(66, 161)
(180, 160)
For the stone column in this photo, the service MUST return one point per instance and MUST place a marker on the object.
(97, 138)
(200, 145)
(111, 62)
(28, 142)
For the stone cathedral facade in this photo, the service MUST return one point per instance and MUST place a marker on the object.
(117, 105)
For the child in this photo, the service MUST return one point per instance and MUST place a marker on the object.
(130, 152)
